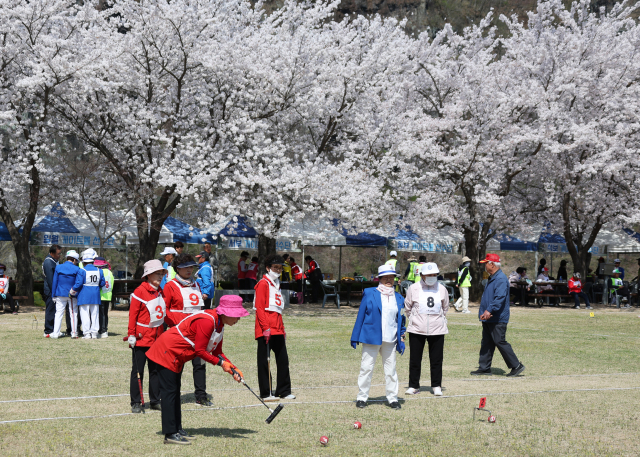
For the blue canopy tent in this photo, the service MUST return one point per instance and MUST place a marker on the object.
(361, 239)
(437, 241)
(4, 232)
(504, 242)
(186, 233)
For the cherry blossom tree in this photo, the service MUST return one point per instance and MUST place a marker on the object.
(38, 58)
(584, 67)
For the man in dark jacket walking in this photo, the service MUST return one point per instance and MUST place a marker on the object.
(494, 314)
(48, 268)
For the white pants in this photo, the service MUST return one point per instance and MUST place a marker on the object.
(464, 299)
(89, 318)
(61, 304)
(369, 356)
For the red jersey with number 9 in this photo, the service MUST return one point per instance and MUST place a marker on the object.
(139, 314)
(180, 300)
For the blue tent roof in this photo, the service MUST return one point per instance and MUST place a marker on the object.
(512, 243)
(56, 221)
(362, 239)
(4, 232)
(187, 234)
(239, 229)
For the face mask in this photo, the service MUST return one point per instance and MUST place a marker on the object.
(273, 275)
(430, 280)
(466, 264)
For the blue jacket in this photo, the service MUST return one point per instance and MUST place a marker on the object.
(203, 278)
(495, 298)
(89, 294)
(368, 326)
(48, 268)
(64, 279)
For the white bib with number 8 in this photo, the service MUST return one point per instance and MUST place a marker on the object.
(430, 302)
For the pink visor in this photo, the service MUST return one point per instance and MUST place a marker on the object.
(231, 306)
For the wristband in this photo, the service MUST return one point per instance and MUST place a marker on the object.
(219, 361)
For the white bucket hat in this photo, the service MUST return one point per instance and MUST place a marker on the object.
(386, 270)
(89, 255)
(152, 266)
(169, 250)
(73, 254)
(429, 269)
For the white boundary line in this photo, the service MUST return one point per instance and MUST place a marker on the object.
(238, 389)
(425, 397)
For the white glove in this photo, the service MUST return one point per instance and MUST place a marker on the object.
(132, 341)
(72, 293)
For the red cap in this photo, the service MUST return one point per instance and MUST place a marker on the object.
(545, 269)
(491, 258)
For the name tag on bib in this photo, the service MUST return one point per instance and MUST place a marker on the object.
(430, 302)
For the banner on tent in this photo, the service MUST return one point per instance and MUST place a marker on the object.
(238, 243)
(63, 239)
(562, 248)
(423, 246)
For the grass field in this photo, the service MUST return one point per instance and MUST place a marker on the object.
(579, 396)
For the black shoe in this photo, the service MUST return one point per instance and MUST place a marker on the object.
(156, 406)
(136, 408)
(185, 435)
(361, 404)
(516, 371)
(395, 405)
(482, 372)
(175, 438)
(204, 402)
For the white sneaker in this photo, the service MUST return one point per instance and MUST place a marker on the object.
(466, 311)
(87, 336)
(95, 336)
(53, 335)
(437, 391)
(289, 397)
(412, 391)
(270, 398)
(104, 335)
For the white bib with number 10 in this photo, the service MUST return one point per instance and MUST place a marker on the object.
(191, 299)
(92, 278)
(430, 302)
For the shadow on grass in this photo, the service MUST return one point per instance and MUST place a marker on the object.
(219, 432)
(498, 371)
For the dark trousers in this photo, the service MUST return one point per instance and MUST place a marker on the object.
(494, 334)
(9, 300)
(49, 315)
(578, 295)
(416, 349)
(103, 315)
(67, 320)
(278, 346)
(138, 359)
(200, 378)
(207, 303)
(170, 400)
(316, 289)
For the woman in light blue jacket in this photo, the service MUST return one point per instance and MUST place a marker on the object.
(380, 327)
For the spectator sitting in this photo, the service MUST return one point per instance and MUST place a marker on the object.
(519, 289)
(542, 264)
(616, 263)
(544, 277)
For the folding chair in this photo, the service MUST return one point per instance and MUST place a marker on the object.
(330, 292)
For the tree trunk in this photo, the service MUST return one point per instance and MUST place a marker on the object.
(578, 250)
(266, 247)
(149, 231)
(471, 236)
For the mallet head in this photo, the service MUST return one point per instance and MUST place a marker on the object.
(274, 413)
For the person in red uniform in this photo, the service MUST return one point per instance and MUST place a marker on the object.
(146, 316)
(198, 335)
(314, 275)
(183, 297)
(575, 289)
(270, 333)
(297, 275)
(251, 276)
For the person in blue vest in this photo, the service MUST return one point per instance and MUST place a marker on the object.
(89, 281)
(380, 327)
(64, 277)
(204, 278)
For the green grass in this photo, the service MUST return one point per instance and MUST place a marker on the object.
(579, 396)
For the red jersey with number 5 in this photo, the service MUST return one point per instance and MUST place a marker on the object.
(267, 319)
(139, 314)
(176, 304)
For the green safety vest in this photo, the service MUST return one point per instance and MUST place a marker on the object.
(613, 283)
(467, 280)
(107, 291)
(412, 272)
(416, 272)
(393, 263)
(171, 273)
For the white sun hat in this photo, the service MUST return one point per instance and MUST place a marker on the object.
(429, 269)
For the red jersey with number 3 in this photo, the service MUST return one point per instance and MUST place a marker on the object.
(267, 319)
(139, 314)
(175, 301)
